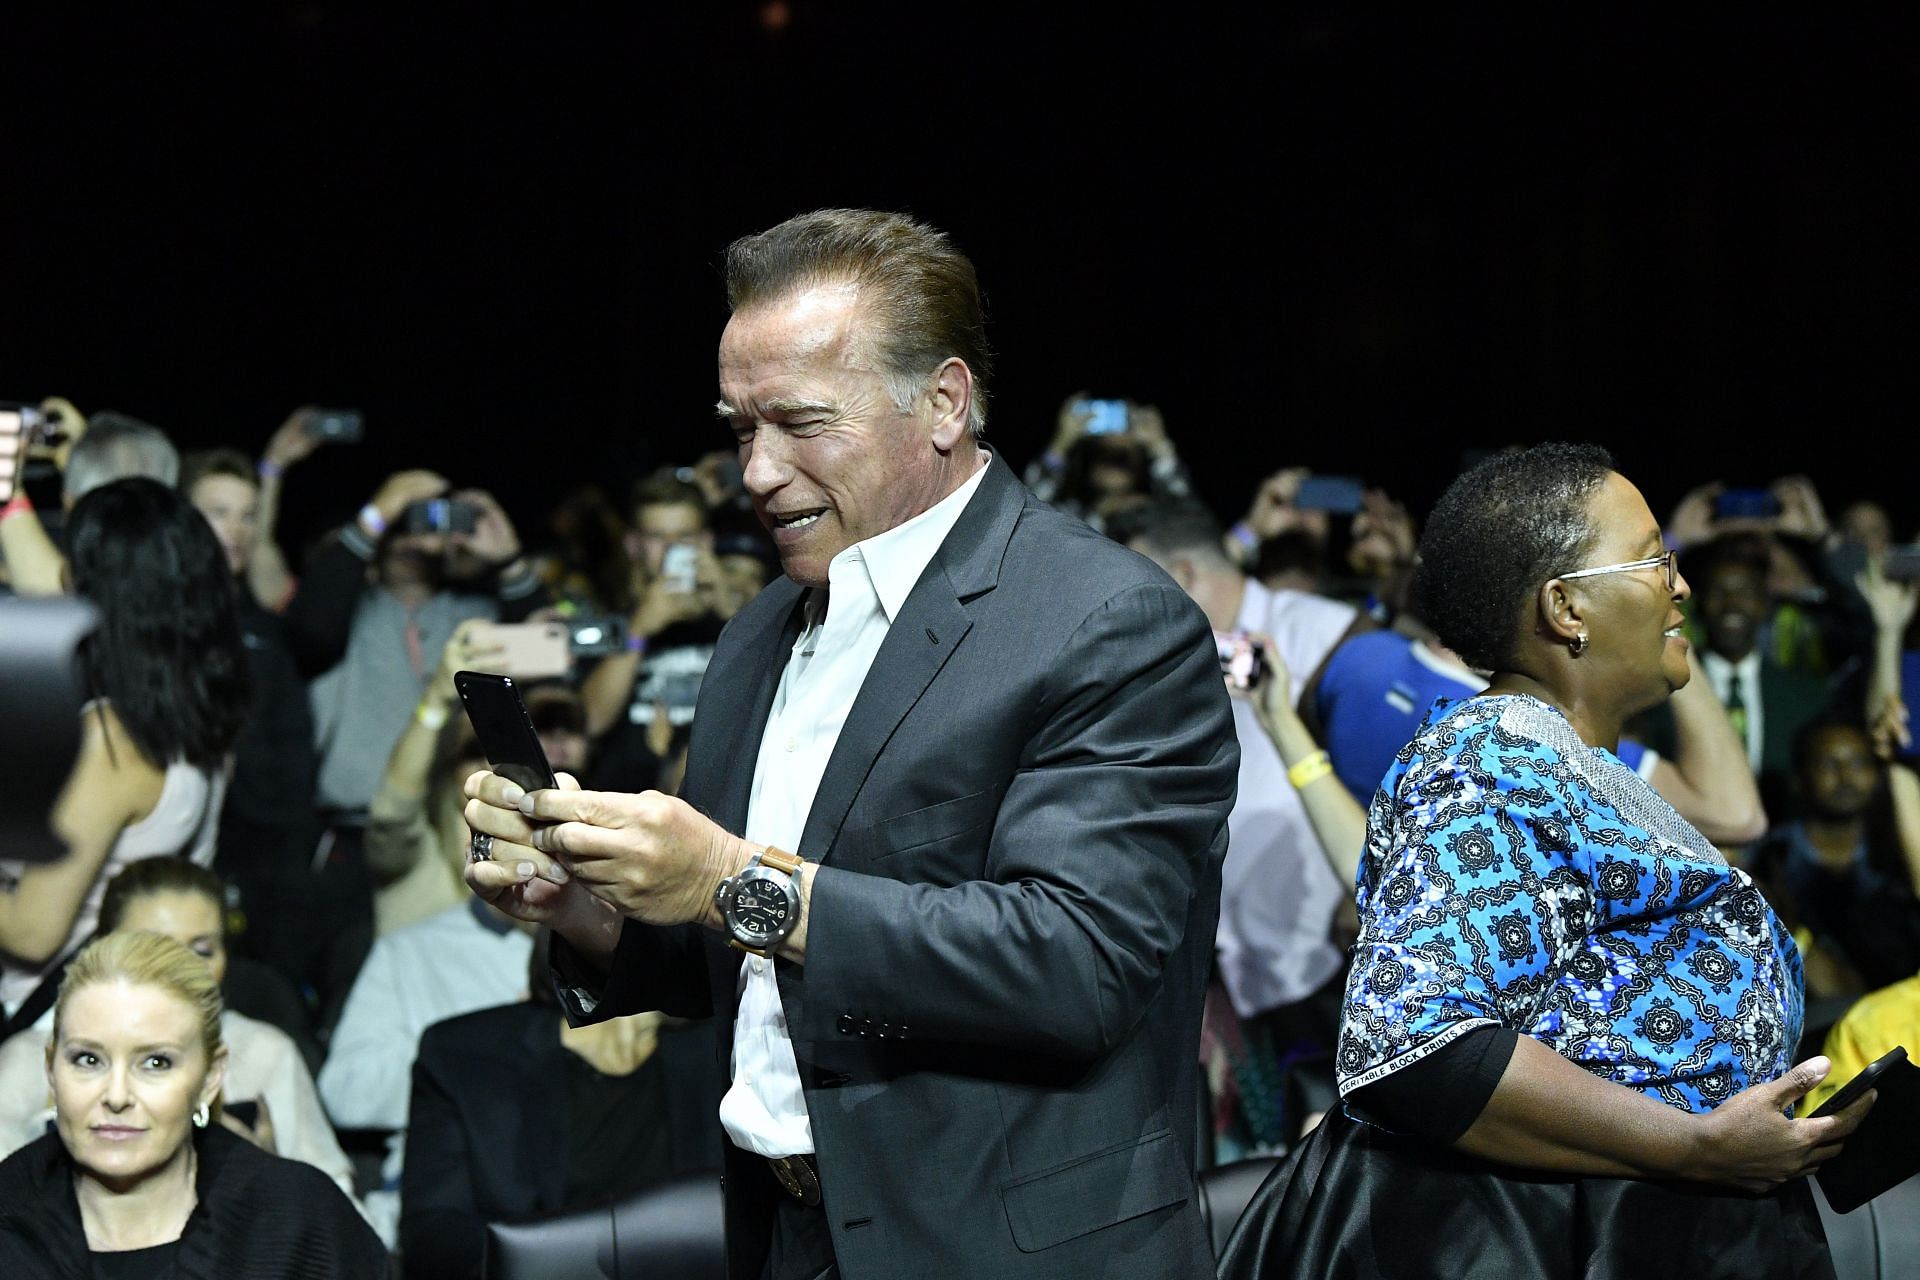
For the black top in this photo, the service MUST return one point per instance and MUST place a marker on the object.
(137, 1264)
(259, 1216)
(1440, 1096)
(615, 1141)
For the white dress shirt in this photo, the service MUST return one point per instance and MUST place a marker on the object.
(1721, 673)
(765, 1111)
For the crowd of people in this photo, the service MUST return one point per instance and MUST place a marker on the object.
(274, 778)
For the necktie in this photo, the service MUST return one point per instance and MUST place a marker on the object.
(1737, 709)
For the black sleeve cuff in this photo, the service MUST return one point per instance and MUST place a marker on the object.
(1440, 1096)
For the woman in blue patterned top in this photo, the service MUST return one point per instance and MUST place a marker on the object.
(1568, 1028)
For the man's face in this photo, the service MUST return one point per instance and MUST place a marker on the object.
(659, 525)
(232, 506)
(1839, 773)
(1733, 604)
(826, 457)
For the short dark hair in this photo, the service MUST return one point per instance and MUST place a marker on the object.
(1168, 527)
(1500, 531)
(665, 488)
(168, 652)
(159, 875)
(921, 291)
(1704, 562)
(201, 463)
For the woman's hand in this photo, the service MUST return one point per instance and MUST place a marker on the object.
(1751, 1143)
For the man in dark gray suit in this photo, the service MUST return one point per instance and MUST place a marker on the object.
(962, 1039)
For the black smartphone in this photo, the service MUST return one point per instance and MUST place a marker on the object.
(439, 515)
(598, 637)
(1868, 1077)
(506, 732)
(1746, 504)
(339, 426)
(1340, 495)
(1902, 564)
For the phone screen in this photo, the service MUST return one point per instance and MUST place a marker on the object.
(506, 732)
(680, 567)
(12, 445)
(1107, 417)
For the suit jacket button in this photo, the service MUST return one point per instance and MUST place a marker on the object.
(846, 1024)
(883, 1030)
(900, 1032)
(866, 1026)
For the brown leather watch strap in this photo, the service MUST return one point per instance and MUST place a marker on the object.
(781, 860)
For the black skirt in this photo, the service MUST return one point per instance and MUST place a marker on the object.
(1355, 1200)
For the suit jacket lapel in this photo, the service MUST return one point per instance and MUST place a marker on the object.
(930, 627)
(737, 718)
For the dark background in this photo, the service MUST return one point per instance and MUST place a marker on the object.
(1360, 244)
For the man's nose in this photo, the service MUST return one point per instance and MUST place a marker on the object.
(764, 468)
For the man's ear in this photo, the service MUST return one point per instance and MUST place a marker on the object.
(1561, 612)
(951, 401)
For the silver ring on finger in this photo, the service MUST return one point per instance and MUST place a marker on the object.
(480, 848)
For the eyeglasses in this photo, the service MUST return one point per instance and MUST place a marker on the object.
(1670, 559)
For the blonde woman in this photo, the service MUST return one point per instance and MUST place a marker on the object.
(270, 1095)
(138, 1179)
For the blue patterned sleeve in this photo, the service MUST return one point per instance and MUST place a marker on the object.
(1472, 898)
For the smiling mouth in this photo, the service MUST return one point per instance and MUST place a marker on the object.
(798, 519)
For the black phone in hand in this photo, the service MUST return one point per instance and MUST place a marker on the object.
(506, 733)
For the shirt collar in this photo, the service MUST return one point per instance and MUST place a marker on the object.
(894, 560)
(1721, 672)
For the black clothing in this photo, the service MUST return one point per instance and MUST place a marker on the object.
(1440, 1096)
(490, 1130)
(137, 1264)
(258, 1216)
(608, 1155)
(1354, 1200)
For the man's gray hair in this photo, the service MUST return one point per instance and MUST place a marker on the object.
(921, 291)
(116, 447)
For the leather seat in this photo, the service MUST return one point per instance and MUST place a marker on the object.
(674, 1231)
(1878, 1241)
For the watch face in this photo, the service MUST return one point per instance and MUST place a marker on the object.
(760, 907)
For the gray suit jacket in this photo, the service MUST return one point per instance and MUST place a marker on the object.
(1019, 834)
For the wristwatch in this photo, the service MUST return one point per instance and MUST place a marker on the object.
(761, 905)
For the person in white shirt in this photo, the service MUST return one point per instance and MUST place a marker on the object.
(998, 745)
(1278, 894)
(462, 959)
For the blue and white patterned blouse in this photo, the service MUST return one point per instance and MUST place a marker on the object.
(1516, 876)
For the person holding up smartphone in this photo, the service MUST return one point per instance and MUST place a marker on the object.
(680, 601)
(1105, 454)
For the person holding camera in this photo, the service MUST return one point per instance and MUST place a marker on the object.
(1106, 454)
(378, 602)
(681, 600)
